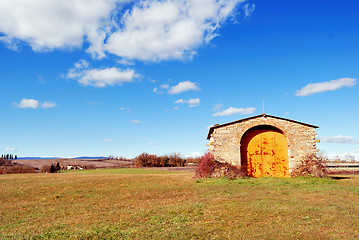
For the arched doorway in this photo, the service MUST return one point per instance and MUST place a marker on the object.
(264, 152)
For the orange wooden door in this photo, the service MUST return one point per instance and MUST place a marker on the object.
(266, 153)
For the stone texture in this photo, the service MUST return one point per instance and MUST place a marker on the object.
(225, 139)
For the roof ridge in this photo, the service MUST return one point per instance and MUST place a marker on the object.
(256, 116)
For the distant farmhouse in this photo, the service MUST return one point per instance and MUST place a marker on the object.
(265, 145)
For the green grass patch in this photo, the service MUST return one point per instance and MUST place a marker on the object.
(141, 204)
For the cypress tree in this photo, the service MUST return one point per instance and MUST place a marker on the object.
(52, 169)
(57, 168)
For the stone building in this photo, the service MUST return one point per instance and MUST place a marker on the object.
(265, 145)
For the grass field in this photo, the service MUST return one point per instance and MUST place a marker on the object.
(146, 204)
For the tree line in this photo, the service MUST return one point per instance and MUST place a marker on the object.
(9, 156)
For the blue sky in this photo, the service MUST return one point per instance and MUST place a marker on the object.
(122, 77)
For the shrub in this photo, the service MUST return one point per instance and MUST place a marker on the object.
(45, 169)
(205, 166)
(16, 168)
(209, 167)
(90, 166)
(175, 160)
(122, 159)
(193, 159)
(4, 161)
(146, 160)
(311, 164)
(57, 167)
(164, 161)
(152, 160)
(50, 168)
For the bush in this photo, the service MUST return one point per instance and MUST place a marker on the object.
(16, 168)
(312, 165)
(145, 160)
(152, 160)
(45, 168)
(209, 167)
(175, 160)
(90, 166)
(193, 160)
(50, 168)
(122, 159)
(57, 167)
(4, 161)
(205, 166)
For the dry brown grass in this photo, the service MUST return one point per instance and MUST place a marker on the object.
(145, 204)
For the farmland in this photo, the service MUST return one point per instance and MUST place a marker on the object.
(158, 204)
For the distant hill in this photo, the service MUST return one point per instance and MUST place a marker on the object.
(86, 157)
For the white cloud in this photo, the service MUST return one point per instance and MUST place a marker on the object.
(93, 103)
(47, 25)
(127, 110)
(192, 102)
(248, 9)
(165, 86)
(183, 87)
(175, 108)
(339, 139)
(28, 103)
(10, 149)
(152, 143)
(232, 111)
(149, 30)
(107, 76)
(126, 62)
(107, 140)
(157, 91)
(100, 77)
(10, 43)
(218, 107)
(32, 103)
(170, 29)
(48, 105)
(135, 121)
(331, 85)
(81, 64)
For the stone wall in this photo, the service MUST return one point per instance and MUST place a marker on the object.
(225, 140)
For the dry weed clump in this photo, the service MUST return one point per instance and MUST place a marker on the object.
(311, 164)
(209, 167)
